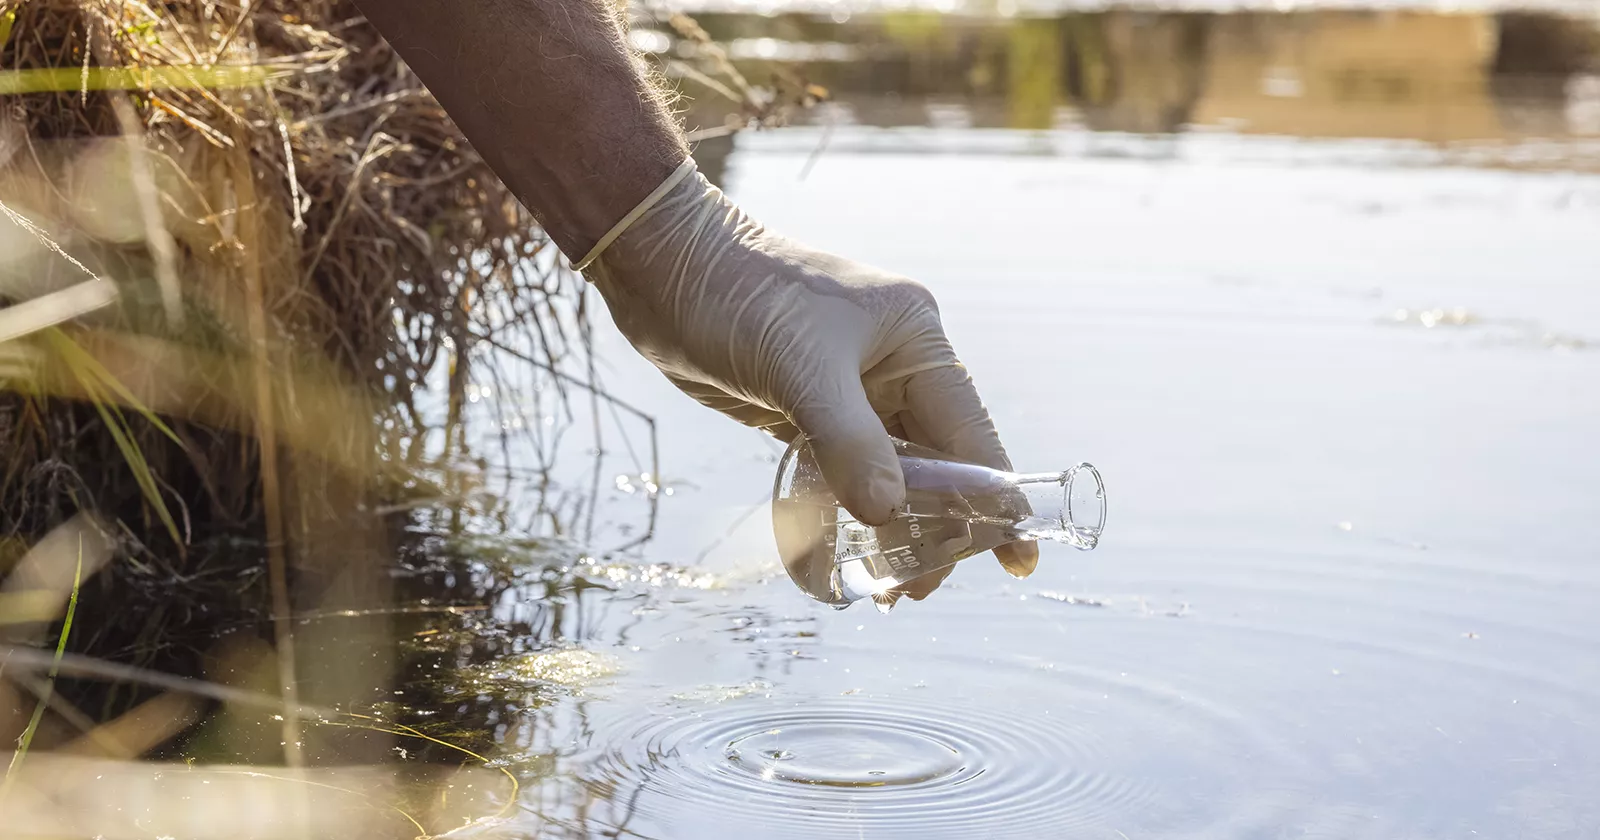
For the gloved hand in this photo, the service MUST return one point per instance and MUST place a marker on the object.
(795, 341)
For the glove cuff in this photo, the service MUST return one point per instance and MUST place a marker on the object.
(643, 207)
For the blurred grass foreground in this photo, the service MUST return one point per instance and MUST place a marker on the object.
(237, 237)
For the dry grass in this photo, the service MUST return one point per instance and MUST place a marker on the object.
(238, 239)
(251, 220)
(272, 188)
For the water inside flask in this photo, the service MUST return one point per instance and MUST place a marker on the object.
(953, 510)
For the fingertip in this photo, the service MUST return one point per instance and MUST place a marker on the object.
(921, 587)
(1019, 559)
(874, 498)
(863, 472)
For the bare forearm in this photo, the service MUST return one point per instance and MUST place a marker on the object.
(550, 95)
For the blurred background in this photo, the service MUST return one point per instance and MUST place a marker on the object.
(329, 484)
(1453, 79)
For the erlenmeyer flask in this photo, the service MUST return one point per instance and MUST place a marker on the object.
(953, 510)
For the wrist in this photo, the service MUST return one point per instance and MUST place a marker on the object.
(685, 171)
(674, 230)
(592, 204)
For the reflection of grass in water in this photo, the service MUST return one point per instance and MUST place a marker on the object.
(512, 678)
(714, 694)
(34, 788)
(86, 781)
(572, 669)
(374, 724)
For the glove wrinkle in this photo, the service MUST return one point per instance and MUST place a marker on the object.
(740, 358)
(792, 340)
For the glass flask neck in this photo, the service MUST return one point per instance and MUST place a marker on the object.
(1066, 506)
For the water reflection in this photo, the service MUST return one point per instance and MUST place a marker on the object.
(1437, 78)
(1311, 625)
(531, 680)
(541, 682)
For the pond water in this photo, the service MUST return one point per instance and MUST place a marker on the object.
(1342, 391)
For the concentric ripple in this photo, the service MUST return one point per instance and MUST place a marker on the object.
(852, 752)
(884, 765)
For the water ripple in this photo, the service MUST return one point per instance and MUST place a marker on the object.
(866, 763)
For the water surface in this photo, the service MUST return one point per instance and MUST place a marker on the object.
(1342, 393)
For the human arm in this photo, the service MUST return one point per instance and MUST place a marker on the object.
(551, 97)
(777, 335)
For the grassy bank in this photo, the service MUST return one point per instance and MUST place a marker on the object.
(238, 239)
(250, 276)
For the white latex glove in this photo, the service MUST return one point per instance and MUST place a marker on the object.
(792, 340)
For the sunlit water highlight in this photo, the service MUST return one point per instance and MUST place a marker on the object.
(1345, 393)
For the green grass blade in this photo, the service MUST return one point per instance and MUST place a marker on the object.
(96, 381)
(59, 79)
(80, 359)
(26, 740)
(8, 17)
(117, 425)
